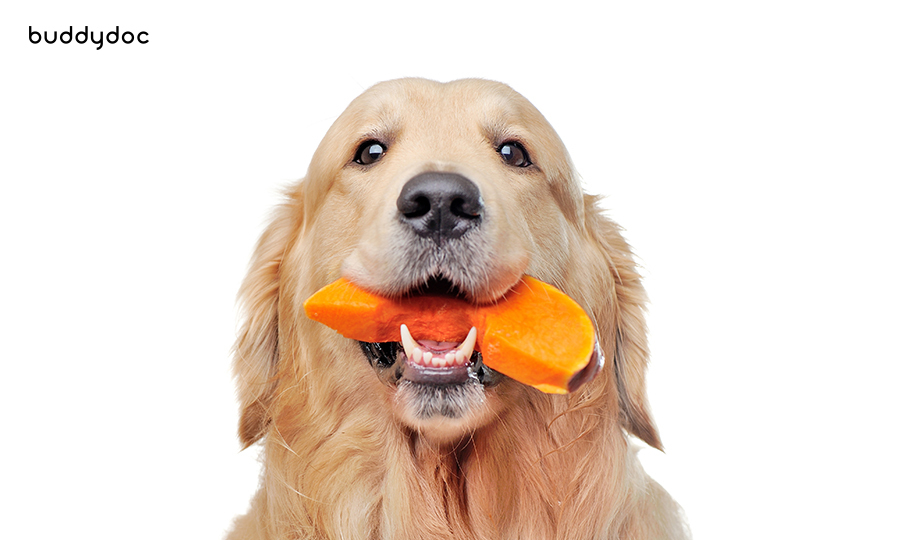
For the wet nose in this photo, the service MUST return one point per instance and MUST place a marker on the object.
(440, 205)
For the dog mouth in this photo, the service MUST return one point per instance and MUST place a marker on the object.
(429, 362)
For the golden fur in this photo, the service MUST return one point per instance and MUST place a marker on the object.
(342, 456)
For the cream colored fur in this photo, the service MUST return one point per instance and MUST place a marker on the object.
(339, 462)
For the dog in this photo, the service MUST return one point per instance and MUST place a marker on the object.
(457, 188)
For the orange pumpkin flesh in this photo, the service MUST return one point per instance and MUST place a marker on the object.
(535, 334)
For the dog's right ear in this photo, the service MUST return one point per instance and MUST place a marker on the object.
(256, 349)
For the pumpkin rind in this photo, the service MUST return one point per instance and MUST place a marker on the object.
(535, 334)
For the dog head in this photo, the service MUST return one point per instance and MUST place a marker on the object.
(420, 187)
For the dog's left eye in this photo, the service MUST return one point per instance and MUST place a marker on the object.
(369, 152)
(514, 154)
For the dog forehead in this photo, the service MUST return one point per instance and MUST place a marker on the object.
(419, 107)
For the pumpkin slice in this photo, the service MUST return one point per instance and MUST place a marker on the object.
(535, 334)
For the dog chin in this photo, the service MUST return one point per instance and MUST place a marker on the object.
(439, 401)
(443, 413)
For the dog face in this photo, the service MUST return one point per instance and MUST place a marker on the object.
(454, 191)
(422, 187)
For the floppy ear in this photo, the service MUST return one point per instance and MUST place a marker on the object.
(631, 355)
(256, 349)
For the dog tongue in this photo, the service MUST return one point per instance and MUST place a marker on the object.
(439, 345)
(535, 334)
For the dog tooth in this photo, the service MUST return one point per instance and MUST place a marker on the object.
(409, 344)
(468, 346)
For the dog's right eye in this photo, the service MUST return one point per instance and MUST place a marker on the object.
(369, 152)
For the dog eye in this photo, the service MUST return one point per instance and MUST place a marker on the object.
(369, 152)
(514, 154)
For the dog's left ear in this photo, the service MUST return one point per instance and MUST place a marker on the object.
(256, 350)
(631, 354)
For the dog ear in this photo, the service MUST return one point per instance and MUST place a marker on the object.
(631, 354)
(256, 348)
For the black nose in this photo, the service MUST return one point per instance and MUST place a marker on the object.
(440, 205)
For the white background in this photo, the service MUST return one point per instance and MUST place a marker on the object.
(751, 151)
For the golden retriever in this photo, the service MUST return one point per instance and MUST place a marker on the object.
(447, 188)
